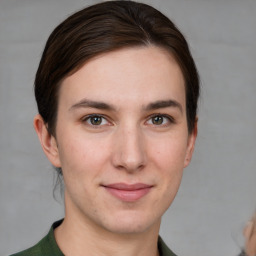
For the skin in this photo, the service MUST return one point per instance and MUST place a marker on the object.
(137, 98)
(250, 237)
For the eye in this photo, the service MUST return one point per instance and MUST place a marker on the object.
(95, 120)
(157, 120)
(160, 120)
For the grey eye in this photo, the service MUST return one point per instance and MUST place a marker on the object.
(157, 120)
(95, 120)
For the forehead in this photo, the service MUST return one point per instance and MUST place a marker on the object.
(130, 75)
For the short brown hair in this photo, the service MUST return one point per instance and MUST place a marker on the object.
(102, 28)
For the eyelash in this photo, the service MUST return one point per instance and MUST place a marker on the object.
(87, 118)
(170, 119)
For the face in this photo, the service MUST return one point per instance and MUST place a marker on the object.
(122, 139)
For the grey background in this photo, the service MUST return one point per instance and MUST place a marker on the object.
(218, 191)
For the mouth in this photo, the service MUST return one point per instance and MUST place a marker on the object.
(128, 192)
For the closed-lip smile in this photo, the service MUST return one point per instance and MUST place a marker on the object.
(128, 192)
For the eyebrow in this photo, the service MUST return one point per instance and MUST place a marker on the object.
(85, 103)
(164, 104)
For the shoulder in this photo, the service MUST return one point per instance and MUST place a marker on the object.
(36, 250)
(164, 249)
(45, 247)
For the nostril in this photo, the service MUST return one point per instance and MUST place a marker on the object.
(130, 166)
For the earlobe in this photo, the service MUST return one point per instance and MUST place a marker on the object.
(191, 145)
(47, 140)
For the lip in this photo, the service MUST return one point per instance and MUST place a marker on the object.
(128, 192)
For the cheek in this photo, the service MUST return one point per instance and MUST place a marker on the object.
(79, 155)
(170, 153)
(168, 163)
(79, 166)
(169, 159)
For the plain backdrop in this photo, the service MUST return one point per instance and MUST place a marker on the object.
(217, 194)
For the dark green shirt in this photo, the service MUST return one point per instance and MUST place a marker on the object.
(48, 246)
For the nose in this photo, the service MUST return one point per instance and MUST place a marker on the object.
(129, 152)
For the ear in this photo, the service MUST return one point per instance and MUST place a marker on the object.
(191, 145)
(47, 140)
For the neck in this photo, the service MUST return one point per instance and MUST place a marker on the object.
(77, 235)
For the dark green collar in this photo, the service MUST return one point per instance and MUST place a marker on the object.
(45, 247)
(164, 249)
(48, 246)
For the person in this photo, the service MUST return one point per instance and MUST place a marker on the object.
(250, 238)
(117, 91)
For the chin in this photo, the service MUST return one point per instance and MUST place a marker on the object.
(128, 229)
(131, 224)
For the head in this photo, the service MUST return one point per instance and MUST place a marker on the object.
(93, 31)
(117, 98)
